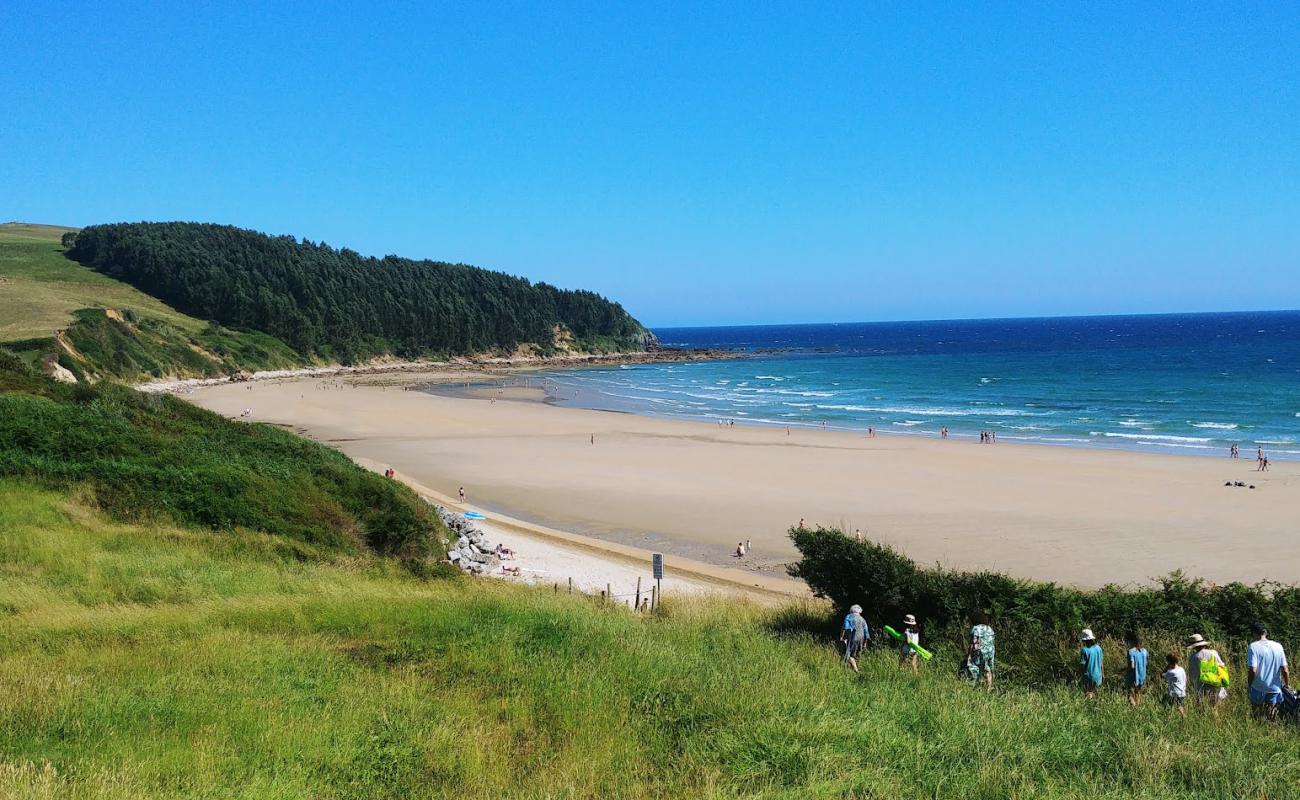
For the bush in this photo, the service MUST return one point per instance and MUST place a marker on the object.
(1029, 615)
(148, 456)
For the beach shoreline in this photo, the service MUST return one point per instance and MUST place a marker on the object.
(457, 368)
(694, 489)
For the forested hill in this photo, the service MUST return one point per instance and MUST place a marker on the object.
(335, 303)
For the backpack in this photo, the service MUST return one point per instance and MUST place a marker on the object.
(1289, 708)
(1212, 672)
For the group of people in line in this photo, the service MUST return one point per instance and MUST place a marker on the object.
(987, 437)
(1267, 674)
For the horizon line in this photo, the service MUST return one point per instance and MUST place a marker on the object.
(984, 319)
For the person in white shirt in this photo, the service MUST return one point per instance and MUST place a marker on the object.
(1267, 671)
(1175, 683)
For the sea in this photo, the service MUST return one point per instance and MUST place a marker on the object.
(1173, 383)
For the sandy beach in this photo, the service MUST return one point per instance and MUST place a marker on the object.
(694, 489)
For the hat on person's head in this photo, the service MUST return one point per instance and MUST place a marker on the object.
(1087, 636)
(1196, 641)
(1258, 629)
(855, 608)
(909, 620)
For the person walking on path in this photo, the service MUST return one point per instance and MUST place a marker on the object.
(1136, 675)
(854, 635)
(1267, 672)
(1208, 670)
(911, 636)
(980, 654)
(1090, 658)
(1175, 684)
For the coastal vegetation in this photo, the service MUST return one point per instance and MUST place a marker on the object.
(336, 304)
(143, 659)
(1037, 622)
(153, 457)
(62, 317)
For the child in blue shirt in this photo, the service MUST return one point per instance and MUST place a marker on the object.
(1135, 677)
(1090, 663)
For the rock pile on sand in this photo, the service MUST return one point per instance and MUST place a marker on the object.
(471, 551)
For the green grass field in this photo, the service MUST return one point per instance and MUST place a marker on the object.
(43, 293)
(145, 661)
(40, 289)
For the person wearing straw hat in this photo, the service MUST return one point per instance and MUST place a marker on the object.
(854, 635)
(1090, 658)
(1207, 669)
(911, 635)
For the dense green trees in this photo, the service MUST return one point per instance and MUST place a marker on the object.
(338, 304)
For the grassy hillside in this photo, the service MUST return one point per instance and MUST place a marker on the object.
(144, 457)
(146, 661)
(40, 289)
(52, 309)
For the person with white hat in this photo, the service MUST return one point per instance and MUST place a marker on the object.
(1090, 658)
(854, 634)
(911, 636)
(1207, 670)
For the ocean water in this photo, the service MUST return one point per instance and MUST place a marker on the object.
(1185, 383)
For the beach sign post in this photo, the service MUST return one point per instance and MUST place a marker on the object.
(657, 564)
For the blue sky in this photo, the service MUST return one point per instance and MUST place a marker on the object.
(701, 163)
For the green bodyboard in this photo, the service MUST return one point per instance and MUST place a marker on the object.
(921, 651)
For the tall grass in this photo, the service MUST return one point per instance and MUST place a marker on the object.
(151, 661)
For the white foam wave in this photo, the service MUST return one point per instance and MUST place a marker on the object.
(1223, 426)
(1150, 437)
(933, 412)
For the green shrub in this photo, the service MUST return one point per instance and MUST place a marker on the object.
(1036, 621)
(148, 456)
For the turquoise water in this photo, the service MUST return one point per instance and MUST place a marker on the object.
(1169, 383)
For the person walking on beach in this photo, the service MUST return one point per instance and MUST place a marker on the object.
(980, 654)
(1208, 670)
(1175, 684)
(748, 547)
(1135, 677)
(462, 495)
(1266, 671)
(740, 549)
(854, 634)
(1090, 658)
(911, 635)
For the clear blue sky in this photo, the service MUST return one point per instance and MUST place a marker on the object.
(700, 163)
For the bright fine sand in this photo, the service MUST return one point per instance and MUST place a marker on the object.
(1078, 516)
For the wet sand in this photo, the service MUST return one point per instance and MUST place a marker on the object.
(1072, 515)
